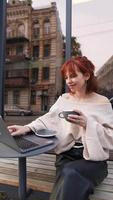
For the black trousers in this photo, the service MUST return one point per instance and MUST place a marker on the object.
(76, 177)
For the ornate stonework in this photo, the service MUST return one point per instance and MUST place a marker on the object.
(105, 76)
(34, 46)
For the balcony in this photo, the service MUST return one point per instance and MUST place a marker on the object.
(16, 58)
(18, 39)
(17, 82)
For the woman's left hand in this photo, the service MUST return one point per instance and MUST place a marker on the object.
(79, 119)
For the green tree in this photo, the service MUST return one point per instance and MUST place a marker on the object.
(29, 2)
(75, 51)
(75, 47)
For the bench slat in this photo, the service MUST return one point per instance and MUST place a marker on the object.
(102, 196)
(41, 175)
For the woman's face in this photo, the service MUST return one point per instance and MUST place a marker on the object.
(76, 81)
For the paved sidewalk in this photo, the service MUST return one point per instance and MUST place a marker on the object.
(11, 193)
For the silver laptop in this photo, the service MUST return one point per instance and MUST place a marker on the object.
(22, 144)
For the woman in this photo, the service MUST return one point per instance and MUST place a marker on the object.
(84, 139)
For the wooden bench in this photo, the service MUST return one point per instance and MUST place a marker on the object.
(41, 175)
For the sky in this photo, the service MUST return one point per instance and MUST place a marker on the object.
(92, 24)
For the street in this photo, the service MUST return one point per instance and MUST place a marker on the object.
(19, 120)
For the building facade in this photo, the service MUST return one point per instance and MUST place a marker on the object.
(104, 77)
(33, 55)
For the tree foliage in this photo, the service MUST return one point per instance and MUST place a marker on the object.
(75, 47)
(75, 51)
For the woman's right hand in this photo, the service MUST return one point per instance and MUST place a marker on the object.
(18, 130)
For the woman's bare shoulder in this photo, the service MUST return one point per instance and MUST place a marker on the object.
(100, 98)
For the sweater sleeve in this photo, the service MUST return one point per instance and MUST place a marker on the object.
(97, 140)
(48, 120)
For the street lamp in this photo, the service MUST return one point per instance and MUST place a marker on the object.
(68, 30)
(2, 52)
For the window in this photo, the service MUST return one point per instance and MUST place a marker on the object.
(9, 32)
(21, 30)
(6, 97)
(7, 51)
(33, 97)
(13, 33)
(44, 100)
(36, 30)
(16, 97)
(45, 73)
(46, 26)
(47, 50)
(36, 51)
(34, 75)
(6, 73)
(19, 50)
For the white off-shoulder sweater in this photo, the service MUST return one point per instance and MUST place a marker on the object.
(97, 138)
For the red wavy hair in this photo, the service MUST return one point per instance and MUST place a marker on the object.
(84, 66)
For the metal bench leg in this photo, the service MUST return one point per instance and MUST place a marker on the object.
(22, 178)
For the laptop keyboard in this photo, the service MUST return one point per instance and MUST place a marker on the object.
(23, 143)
